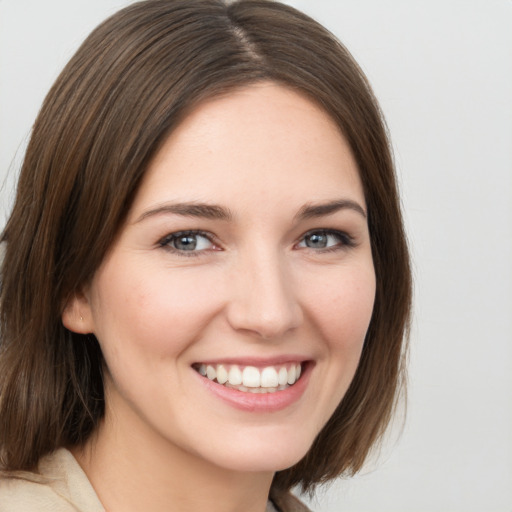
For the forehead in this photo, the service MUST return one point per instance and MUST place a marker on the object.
(264, 140)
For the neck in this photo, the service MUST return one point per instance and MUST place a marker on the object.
(133, 471)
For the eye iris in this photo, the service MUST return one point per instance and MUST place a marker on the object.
(186, 242)
(316, 240)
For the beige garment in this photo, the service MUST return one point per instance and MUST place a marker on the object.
(60, 486)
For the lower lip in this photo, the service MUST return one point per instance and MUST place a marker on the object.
(260, 402)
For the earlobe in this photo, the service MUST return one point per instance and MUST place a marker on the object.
(76, 315)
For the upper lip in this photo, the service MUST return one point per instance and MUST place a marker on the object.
(256, 361)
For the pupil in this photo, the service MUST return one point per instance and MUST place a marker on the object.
(187, 243)
(316, 240)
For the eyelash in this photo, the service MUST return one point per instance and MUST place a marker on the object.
(165, 242)
(345, 241)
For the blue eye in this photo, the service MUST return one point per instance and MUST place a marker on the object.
(187, 241)
(325, 239)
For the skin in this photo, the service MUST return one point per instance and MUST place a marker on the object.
(253, 288)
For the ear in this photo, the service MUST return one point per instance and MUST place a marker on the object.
(77, 315)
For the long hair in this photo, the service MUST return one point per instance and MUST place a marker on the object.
(129, 84)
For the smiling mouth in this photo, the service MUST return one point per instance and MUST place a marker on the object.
(250, 379)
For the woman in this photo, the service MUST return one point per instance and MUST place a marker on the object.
(206, 285)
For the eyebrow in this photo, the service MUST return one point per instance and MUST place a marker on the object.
(310, 211)
(202, 210)
(216, 212)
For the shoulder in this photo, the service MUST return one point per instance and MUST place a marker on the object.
(21, 494)
(60, 485)
(287, 502)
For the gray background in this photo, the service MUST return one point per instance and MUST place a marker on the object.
(442, 70)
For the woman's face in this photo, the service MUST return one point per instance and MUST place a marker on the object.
(245, 256)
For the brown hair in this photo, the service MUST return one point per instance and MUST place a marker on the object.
(130, 83)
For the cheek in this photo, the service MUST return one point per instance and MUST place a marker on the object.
(343, 309)
(152, 311)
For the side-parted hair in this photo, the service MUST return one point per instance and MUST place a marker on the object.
(127, 87)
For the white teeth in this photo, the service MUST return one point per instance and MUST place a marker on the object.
(261, 391)
(292, 373)
(282, 376)
(235, 376)
(211, 372)
(251, 379)
(222, 374)
(269, 377)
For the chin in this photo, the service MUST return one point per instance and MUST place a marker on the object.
(268, 455)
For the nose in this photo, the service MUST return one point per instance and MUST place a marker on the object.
(263, 302)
